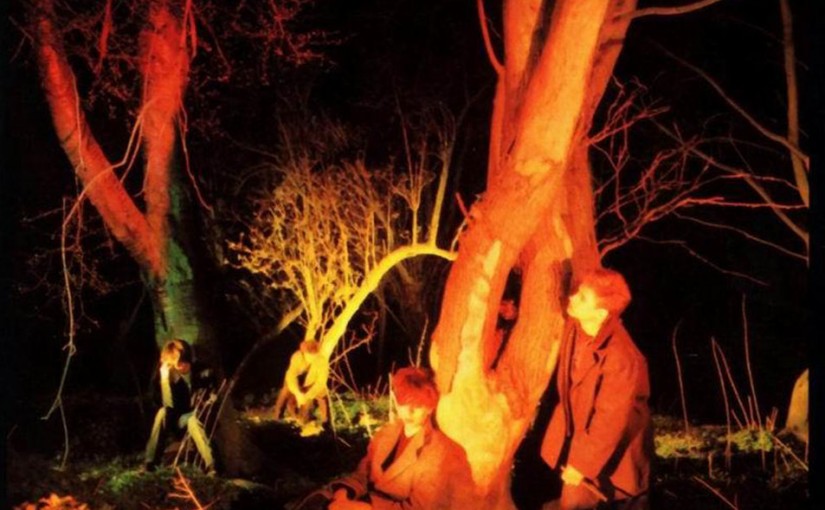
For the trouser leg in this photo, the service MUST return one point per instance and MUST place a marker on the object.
(323, 408)
(281, 401)
(304, 412)
(198, 435)
(154, 447)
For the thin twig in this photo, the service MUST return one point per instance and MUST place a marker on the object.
(666, 11)
(788, 449)
(748, 361)
(485, 34)
(185, 491)
(716, 492)
(793, 148)
(745, 415)
(681, 382)
(725, 398)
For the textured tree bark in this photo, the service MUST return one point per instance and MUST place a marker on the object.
(537, 213)
(164, 66)
(155, 237)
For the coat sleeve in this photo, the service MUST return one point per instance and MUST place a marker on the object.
(623, 391)
(357, 482)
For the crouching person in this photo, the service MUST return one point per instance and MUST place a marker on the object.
(176, 413)
(409, 464)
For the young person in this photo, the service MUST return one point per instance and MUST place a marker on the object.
(176, 412)
(600, 432)
(409, 464)
(301, 389)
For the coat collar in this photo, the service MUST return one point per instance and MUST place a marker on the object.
(611, 324)
(410, 454)
(595, 346)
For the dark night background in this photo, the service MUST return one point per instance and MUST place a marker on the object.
(429, 51)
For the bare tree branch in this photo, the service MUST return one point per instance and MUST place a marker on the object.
(800, 165)
(485, 34)
(784, 141)
(669, 11)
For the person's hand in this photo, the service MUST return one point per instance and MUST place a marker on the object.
(344, 503)
(571, 476)
(341, 501)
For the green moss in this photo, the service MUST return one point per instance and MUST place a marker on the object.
(748, 440)
(354, 412)
(671, 445)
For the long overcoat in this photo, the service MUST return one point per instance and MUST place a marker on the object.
(602, 416)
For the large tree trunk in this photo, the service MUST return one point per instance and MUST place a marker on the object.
(537, 213)
(154, 237)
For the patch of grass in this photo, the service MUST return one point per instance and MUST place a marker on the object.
(117, 483)
(670, 445)
(751, 441)
(353, 412)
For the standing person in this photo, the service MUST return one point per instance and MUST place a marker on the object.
(410, 464)
(176, 412)
(600, 433)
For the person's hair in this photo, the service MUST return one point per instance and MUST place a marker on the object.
(415, 386)
(610, 288)
(176, 349)
(310, 346)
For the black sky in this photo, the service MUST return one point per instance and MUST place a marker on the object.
(433, 50)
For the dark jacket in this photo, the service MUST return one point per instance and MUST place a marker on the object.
(602, 415)
(200, 378)
(432, 473)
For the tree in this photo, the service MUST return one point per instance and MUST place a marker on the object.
(141, 58)
(537, 215)
(329, 231)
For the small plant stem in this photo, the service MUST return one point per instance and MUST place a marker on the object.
(748, 361)
(681, 381)
(733, 386)
(716, 493)
(788, 449)
(725, 398)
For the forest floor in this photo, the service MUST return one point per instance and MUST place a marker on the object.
(690, 471)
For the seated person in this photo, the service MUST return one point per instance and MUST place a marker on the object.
(176, 412)
(410, 464)
(305, 384)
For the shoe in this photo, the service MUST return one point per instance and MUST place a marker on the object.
(211, 472)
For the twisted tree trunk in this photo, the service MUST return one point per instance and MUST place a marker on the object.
(537, 213)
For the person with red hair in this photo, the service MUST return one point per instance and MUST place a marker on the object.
(409, 464)
(600, 432)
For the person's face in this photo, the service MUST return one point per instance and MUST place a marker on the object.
(413, 417)
(507, 310)
(584, 307)
(174, 362)
(170, 360)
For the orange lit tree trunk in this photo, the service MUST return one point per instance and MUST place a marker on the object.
(537, 214)
(164, 67)
(155, 236)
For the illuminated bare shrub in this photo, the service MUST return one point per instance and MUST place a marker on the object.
(323, 238)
